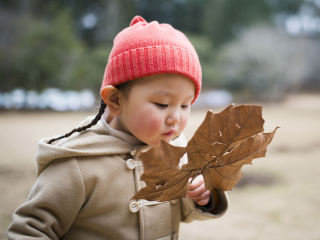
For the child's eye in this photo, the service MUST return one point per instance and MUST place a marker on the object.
(185, 106)
(160, 105)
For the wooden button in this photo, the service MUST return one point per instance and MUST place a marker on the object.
(134, 207)
(130, 164)
(174, 201)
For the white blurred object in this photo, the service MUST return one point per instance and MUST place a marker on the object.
(54, 99)
(32, 100)
(89, 20)
(73, 100)
(17, 98)
(6, 100)
(217, 98)
(42, 103)
(213, 98)
(1, 99)
(87, 99)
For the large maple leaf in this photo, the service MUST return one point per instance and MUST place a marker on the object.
(223, 143)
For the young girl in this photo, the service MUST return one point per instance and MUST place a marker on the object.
(86, 179)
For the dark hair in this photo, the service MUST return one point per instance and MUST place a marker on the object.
(80, 129)
(124, 90)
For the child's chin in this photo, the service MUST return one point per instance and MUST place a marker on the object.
(155, 144)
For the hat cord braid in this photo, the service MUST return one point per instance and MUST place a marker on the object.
(80, 129)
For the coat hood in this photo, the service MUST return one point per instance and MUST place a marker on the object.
(94, 141)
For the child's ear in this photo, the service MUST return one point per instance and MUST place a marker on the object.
(111, 97)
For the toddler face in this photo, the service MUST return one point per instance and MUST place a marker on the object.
(157, 108)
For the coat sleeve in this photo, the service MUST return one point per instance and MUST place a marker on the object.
(217, 207)
(52, 205)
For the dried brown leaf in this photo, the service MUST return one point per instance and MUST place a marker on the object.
(162, 173)
(220, 147)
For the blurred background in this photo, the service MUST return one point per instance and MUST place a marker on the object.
(52, 58)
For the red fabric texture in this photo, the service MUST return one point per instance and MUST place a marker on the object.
(144, 49)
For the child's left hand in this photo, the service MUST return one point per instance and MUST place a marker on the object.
(198, 192)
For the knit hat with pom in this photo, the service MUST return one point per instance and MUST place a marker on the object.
(145, 49)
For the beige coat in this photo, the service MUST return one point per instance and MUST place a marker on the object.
(83, 191)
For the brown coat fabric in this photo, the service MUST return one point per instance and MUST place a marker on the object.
(83, 191)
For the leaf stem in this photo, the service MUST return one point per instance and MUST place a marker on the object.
(195, 175)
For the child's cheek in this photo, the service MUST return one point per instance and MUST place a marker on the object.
(153, 126)
(184, 122)
(147, 124)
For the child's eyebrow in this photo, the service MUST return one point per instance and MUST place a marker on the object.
(165, 93)
(161, 92)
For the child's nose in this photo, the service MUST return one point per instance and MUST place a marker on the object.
(173, 118)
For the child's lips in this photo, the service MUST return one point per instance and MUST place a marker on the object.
(169, 134)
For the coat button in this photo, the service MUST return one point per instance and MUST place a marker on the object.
(130, 164)
(123, 155)
(134, 207)
(174, 201)
(175, 236)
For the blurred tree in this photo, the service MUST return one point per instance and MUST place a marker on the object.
(224, 19)
(207, 55)
(38, 52)
(219, 20)
(107, 16)
(41, 54)
(89, 69)
(66, 42)
(265, 62)
(286, 6)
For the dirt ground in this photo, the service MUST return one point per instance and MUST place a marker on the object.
(278, 197)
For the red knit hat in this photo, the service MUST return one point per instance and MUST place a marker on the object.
(145, 49)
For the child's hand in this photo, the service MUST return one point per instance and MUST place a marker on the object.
(198, 192)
